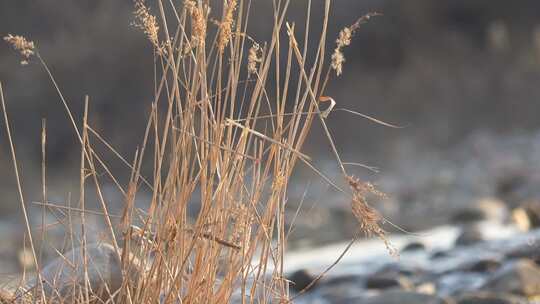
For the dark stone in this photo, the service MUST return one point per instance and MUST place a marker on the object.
(469, 236)
(404, 297)
(467, 216)
(394, 270)
(413, 246)
(385, 283)
(489, 298)
(484, 265)
(389, 276)
(485, 209)
(345, 279)
(520, 277)
(439, 254)
(301, 279)
(536, 260)
(510, 183)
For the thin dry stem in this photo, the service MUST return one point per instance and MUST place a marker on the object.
(19, 187)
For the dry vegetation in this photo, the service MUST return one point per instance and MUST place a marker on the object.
(232, 133)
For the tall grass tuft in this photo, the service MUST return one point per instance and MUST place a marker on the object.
(237, 114)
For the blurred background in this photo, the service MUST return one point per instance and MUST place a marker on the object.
(462, 78)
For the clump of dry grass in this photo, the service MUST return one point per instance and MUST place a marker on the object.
(224, 141)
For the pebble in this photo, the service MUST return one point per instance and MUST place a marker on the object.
(470, 235)
(413, 246)
(382, 282)
(301, 279)
(482, 265)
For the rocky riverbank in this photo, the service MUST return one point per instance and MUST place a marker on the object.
(501, 266)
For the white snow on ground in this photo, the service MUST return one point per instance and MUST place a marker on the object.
(373, 251)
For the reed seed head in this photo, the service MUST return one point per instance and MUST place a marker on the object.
(226, 25)
(344, 40)
(24, 46)
(198, 23)
(367, 216)
(147, 23)
(338, 59)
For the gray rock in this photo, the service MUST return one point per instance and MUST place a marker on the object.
(485, 209)
(65, 275)
(439, 254)
(469, 235)
(413, 246)
(511, 185)
(340, 293)
(386, 282)
(351, 279)
(520, 277)
(395, 269)
(530, 248)
(459, 282)
(489, 298)
(404, 297)
(467, 216)
(482, 265)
